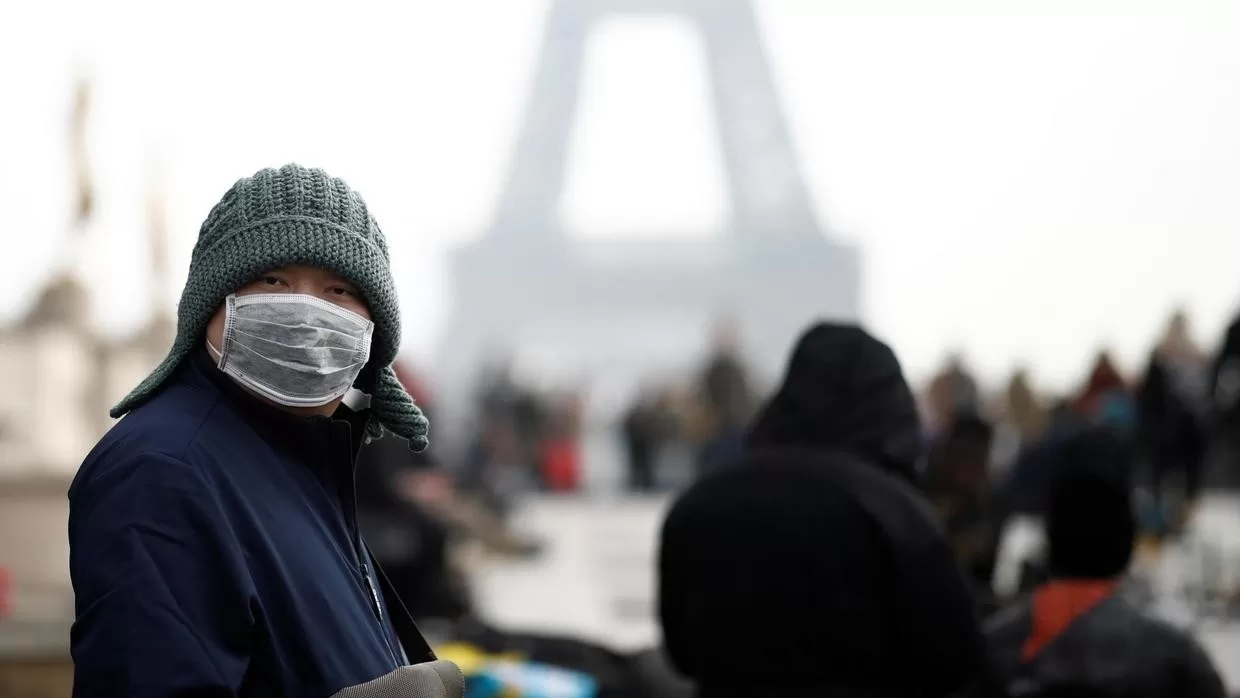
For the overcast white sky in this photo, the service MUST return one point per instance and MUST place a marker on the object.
(1028, 180)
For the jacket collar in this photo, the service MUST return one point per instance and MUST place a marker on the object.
(309, 439)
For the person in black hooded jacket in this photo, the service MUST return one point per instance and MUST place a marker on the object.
(812, 567)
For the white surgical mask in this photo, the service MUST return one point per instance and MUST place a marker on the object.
(293, 349)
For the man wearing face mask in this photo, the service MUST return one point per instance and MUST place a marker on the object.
(214, 548)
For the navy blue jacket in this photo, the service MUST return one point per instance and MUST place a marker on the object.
(214, 551)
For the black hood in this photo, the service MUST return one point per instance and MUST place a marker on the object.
(1090, 522)
(844, 391)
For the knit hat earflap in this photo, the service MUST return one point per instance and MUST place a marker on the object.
(393, 408)
(295, 216)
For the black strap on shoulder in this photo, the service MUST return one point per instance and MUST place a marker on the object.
(416, 647)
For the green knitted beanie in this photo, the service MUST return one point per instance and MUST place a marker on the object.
(286, 217)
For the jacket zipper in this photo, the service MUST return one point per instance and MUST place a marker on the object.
(359, 552)
(376, 604)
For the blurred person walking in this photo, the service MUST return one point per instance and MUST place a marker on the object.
(397, 514)
(506, 454)
(958, 484)
(1022, 420)
(648, 428)
(1224, 386)
(952, 392)
(1023, 408)
(214, 544)
(811, 566)
(560, 451)
(1076, 635)
(727, 399)
(1173, 406)
(1105, 397)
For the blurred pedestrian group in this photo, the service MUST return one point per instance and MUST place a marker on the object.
(870, 523)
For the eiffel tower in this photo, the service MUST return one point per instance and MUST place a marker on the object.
(614, 310)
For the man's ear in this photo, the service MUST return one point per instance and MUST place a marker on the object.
(214, 333)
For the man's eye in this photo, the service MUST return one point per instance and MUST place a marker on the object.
(342, 291)
(271, 280)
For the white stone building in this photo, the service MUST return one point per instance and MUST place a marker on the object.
(58, 377)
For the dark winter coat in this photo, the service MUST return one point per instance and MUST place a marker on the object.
(812, 566)
(214, 551)
(1111, 650)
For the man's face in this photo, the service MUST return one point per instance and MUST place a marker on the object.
(309, 281)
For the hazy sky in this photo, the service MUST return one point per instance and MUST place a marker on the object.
(1027, 184)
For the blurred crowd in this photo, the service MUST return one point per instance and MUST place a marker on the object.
(1179, 415)
(991, 460)
(976, 461)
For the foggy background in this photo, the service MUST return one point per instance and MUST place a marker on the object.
(1028, 181)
